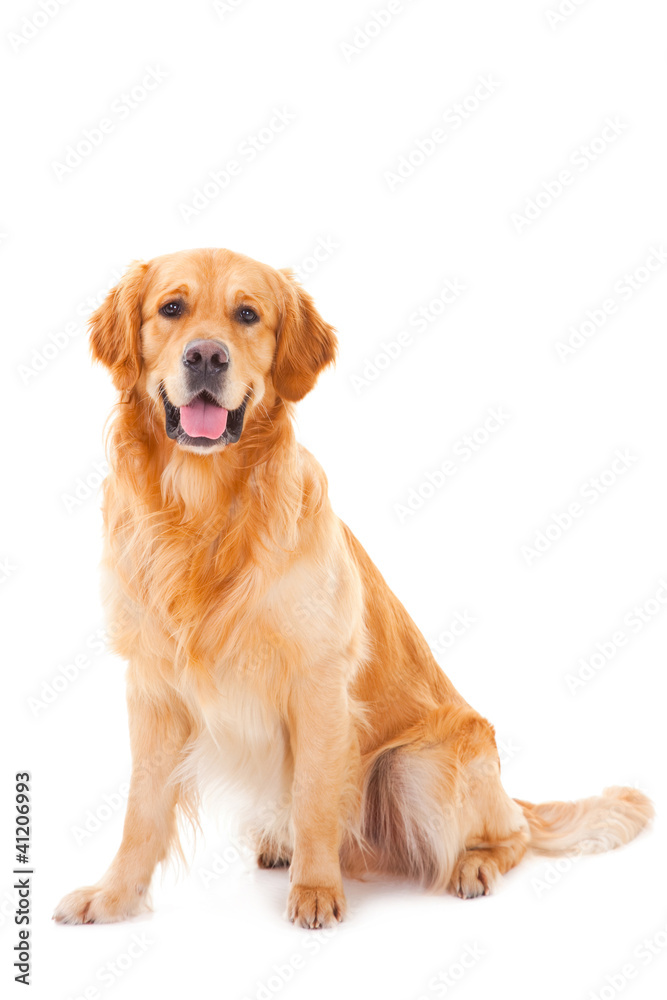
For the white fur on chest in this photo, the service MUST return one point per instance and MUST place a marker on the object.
(241, 762)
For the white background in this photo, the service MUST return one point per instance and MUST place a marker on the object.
(356, 112)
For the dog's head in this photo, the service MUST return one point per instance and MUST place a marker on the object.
(211, 336)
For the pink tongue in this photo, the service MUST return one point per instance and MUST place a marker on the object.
(203, 420)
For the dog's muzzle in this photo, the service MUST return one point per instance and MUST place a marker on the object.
(203, 422)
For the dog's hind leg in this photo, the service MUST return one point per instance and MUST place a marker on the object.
(434, 808)
(478, 869)
(270, 855)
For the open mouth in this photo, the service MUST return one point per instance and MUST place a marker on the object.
(203, 422)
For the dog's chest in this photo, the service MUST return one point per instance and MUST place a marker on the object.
(242, 749)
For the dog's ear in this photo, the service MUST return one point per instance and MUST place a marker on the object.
(115, 325)
(306, 344)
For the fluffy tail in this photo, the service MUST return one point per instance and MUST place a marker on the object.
(588, 826)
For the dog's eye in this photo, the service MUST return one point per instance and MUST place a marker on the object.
(247, 315)
(171, 309)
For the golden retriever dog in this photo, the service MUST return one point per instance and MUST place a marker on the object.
(266, 653)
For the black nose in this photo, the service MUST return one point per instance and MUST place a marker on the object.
(205, 357)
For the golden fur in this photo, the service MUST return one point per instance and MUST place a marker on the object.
(266, 652)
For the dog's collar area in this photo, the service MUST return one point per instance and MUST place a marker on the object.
(175, 431)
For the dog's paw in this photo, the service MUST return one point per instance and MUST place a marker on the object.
(313, 906)
(95, 904)
(474, 875)
(273, 859)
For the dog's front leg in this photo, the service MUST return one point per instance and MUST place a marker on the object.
(320, 736)
(159, 730)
